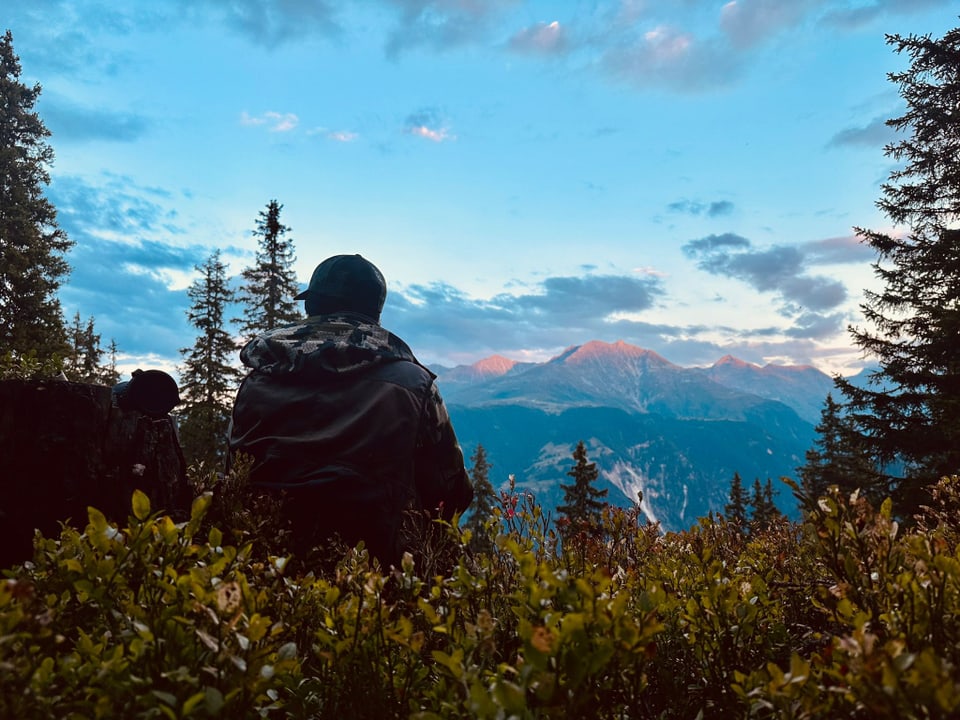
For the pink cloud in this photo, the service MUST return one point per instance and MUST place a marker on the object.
(435, 135)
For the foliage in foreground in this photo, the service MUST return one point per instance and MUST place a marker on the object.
(846, 615)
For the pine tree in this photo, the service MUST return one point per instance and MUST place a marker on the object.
(582, 506)
(838, 458)
(207, 377)
(270, 285)
(736, 509)
(110, 375)
(763, 511)
(484, 497)
(910, 415)
(83, 361)
(32, 245)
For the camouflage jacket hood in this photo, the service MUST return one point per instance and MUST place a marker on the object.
(335, 344)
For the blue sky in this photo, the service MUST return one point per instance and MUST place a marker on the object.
(683, 175)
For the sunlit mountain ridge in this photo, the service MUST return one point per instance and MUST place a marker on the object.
(621, 375)
(677, 435)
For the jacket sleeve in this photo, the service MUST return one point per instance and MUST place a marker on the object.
(442, 480)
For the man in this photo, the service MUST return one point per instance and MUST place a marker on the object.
(339, 415)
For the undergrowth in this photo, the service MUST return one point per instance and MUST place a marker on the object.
(843, 615)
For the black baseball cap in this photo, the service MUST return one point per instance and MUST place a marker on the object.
(347, 282)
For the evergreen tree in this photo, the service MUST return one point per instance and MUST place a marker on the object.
(109, 374)
(32, 245)
(582, 501)
(838, 458)
(736, 509)
(484, 497)
(82, 363)
(910, 415)
(763, 511)
(773, 512)
(207, 377)
(270, 285)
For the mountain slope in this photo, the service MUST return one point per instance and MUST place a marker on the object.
(802, 387)
(682, 467)
(675, 434)
(599, 374)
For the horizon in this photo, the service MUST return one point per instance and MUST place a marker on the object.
(719, 361)
(529, 176)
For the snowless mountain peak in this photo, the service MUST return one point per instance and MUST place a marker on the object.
(598, 350)
(731, 361)
(494, 365)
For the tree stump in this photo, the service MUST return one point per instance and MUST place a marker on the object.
(66, 446)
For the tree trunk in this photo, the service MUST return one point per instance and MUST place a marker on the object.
(66, 446)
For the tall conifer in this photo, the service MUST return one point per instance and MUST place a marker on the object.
(910, 416)
(32, 245)
(208, 379)
(484, 497)
(838, 457)
(270, 285)
(83, 361)
(583, 502)
(110, 374)
(763, 511)
(736, 508)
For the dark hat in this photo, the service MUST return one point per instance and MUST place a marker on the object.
(347, 282)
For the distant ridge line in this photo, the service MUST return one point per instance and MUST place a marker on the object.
(498, 364)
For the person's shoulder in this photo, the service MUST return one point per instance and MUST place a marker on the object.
(278, 345)
(405, 374)
(291, 331)
(378, 338)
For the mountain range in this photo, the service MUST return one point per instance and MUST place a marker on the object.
(675, 435)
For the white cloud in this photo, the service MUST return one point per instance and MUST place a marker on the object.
(427, 124)
(669, 57)
(248, 120)
(435, 135)
(343, 136)
(277, 122)
(340, 136)
(666, 44)
(540, 39)
(751, 22)
(650, 272)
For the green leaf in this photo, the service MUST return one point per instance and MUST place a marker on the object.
(141, 505)
(165, 697)
(97, 519)
(191, 702)
(886, 508)
(197, 512)
(214, 700)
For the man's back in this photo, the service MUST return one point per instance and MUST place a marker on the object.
(338, 413)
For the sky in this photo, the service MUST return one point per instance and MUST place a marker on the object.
(682, 175)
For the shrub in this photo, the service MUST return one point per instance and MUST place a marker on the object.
(844, 615)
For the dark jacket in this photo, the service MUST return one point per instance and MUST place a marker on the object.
(339, 414)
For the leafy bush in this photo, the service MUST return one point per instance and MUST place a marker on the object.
(844, 615)
(29, 366)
